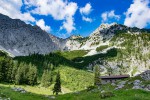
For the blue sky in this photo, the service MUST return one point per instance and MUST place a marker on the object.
(63, 18)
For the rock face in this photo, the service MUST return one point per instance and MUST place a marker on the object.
(19, 38)
(146, 75)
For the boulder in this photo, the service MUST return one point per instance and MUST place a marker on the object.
(146, 75)
(137, 82)
(19, 89)
(136, 87)
(148, 86)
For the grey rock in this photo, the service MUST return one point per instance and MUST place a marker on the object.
(113, 84)
(52, 97)
(148, 87)
(18, 89)
(146, 75)
(122, 83)
(137, 82)
(19, 38)
(136, 87)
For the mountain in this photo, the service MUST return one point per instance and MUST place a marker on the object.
(130, 43)
(19, 38)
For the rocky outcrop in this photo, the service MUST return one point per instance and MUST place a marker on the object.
(146, 75)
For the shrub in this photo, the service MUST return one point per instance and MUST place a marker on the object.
(89, 88)
(106, 95)
(101, 48)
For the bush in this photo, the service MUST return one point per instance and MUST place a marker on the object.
(106, 95)
(101, 48)
(89, 88)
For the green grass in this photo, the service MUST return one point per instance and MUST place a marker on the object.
(9, 93)
(101, 48)
(73, 54)
(74, 79)
(119, 95)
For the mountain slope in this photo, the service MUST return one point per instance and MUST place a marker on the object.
(132, 45)
(19, 38)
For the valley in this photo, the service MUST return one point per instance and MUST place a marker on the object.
(33, 63)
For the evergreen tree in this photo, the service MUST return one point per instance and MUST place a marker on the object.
(14, 70)
(26, 74)
(57, 86)
(6, 67)
(32, 75)
(97, 79)
(18, 76)
(46, 78)
(9, 66)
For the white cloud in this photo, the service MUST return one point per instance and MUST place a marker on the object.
(85, 11)
(58, 9)
(86, 19)
(41, 23)
(12, 8)
(109, 15)
(138, 14)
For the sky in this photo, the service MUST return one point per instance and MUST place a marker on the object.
(64, 18)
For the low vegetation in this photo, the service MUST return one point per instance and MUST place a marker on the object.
(114, 95)
(101, 48)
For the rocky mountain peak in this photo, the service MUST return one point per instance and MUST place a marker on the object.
(19, 38)
(75, 37)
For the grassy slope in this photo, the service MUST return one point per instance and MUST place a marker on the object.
(119, 95)
(6, 92)
(73, 54)
(74, 79)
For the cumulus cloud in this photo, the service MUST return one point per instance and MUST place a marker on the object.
(109, 15)
(58, 9)
(41, 23)
(12, 8)
(86, 19)
(138, 15)
(85, 11)
(62, 10)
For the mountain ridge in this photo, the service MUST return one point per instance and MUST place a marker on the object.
(19, 38)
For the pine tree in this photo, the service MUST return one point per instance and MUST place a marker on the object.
(32, 75)
(57, 86)
(46, 78)
(97, 79)
(14, 70)
(18, 76)
(9, 64)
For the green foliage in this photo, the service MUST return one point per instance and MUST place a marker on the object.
(73, 54)
(106, 95)
(7, 92)
(6, 66)
(26, 74)
(101, 48)
(89, 59)
(97, 79)
(3, 54)
(32, 75)
(89, 88)
(57, 86)
(114, 95)
(46, 78)
(75, 79)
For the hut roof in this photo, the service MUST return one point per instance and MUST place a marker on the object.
(114, 76)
